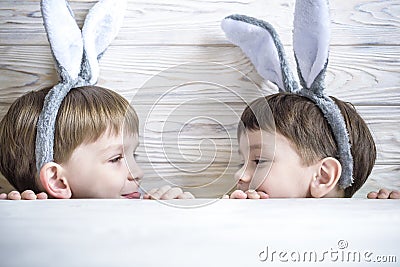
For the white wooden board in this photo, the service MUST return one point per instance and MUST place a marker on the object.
(330, 232)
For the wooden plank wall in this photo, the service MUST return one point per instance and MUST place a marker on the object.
(189, 137)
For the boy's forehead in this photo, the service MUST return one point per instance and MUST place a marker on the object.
(111, 140)
(256, 140)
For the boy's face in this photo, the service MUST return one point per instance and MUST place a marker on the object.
(273, 165)
(100, 169)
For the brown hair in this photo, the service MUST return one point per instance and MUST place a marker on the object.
(301, 121)
(84, 115)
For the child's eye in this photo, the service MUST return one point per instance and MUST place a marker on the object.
(116, 159)
(259, 161)
(135, 156)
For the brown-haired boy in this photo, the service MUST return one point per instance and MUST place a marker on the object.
(293, 153)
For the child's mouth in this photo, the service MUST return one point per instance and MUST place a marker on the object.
(133, 195)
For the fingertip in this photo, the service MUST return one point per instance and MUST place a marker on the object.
(172, 193)
(186, 195)
(28, 195)
(167, 197)
(383, 191)
(372, 195)
(238, 194)
(263, 195)
(3, 196)
(395, 194)
(252, 194)
(42, 195)
(14, 195)
(161, 193)
(383, 195)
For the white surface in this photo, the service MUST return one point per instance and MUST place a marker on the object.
(157, 35)
(223, 233)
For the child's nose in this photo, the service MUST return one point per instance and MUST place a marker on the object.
(133, 169)
(243, 175)
(135, 172)
(139, 173)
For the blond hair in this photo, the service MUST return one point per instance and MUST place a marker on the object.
(301, 121)
(85, 114)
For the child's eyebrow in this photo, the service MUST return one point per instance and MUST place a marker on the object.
(265, 149)
(112, 147)
(256, 146)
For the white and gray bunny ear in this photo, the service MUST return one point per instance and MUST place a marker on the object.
(261, 43)
(75, 52)
(100, 28)
(64, 36)
(311, 37)
(76, 55)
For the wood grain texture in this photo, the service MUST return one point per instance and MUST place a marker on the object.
(189, 137)
(193, 22)
(363, 75)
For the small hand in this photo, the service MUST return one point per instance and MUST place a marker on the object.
(249, 194)
(167, 192)
(26, 195)
(384, 194)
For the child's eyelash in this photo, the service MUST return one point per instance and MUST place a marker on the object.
(256, 161)
(259, 161)
(135, 156)
(116, 159)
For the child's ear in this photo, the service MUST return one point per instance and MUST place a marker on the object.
(53, 181)
(327, 175)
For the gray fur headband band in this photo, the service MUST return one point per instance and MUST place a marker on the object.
(76, 54)
(260, 42)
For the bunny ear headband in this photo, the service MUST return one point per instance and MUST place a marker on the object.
(260, 42)
(76, 54)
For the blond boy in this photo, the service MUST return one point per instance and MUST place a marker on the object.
(96, 137)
